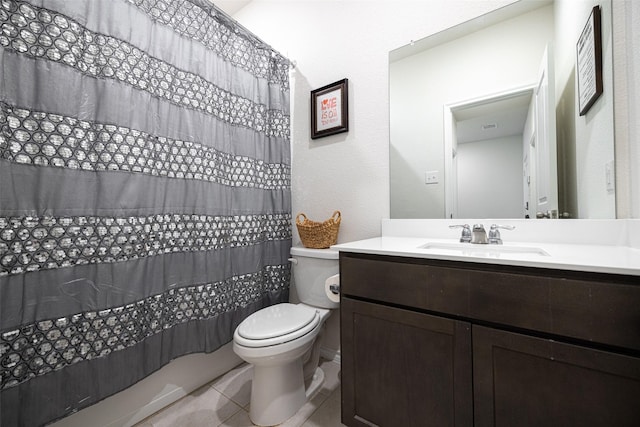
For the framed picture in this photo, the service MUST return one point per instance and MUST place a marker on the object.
(589, 62)
(330, 109)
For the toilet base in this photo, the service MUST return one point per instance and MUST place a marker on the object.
(277, 392)
(282, 394)
(313, 386)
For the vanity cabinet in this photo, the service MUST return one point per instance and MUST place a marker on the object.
(449, 343)
(404, 367)
(521, 380)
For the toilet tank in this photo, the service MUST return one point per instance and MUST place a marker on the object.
(311, 267)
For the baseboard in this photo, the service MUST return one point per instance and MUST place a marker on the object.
(330, 354)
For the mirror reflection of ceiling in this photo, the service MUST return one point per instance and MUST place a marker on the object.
(508, 34)
(492, 120)
(466, 28)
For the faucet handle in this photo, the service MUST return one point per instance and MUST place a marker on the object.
(465, 237)
(494, 233)
(504, 227)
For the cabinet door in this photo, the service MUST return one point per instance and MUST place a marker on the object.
(527, 381)
(404, 368)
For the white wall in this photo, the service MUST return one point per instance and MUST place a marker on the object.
(502, 57)
(490, 178)
(633, 53)
(331, 40)
(626, 38)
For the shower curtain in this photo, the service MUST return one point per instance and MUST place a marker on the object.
(144, 193)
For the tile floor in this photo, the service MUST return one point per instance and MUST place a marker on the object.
(225, 403)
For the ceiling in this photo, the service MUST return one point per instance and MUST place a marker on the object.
(230, 6)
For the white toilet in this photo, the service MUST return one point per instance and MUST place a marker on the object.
(282, 341)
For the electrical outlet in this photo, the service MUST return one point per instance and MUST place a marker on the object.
(432, 177)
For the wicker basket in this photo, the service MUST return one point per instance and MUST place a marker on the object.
(318, 235)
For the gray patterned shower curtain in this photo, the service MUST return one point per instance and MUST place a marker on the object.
(144, 193)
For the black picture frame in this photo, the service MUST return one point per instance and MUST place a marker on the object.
(589, 62)
(330, 109)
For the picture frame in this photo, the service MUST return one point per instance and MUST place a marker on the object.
(589, 62)
(330, 109)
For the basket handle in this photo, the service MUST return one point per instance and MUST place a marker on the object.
(336, 218)
(298, 218)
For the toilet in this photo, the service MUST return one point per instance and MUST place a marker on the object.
(282, 341)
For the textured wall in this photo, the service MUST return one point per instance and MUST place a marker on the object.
(626, 39)
(633, 52)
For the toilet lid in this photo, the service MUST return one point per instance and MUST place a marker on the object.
(278, 323)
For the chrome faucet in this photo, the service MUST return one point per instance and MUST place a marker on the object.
(475, 235)
(494, 233)
(465, 237)
(479, 235)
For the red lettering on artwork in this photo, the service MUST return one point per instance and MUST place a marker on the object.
(330, 103)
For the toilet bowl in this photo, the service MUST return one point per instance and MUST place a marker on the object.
(282, 341)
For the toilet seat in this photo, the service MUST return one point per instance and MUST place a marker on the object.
(276, 324)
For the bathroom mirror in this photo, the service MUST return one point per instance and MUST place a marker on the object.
(441, 91)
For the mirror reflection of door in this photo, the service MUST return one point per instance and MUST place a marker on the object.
(545, 139)
(528, 165)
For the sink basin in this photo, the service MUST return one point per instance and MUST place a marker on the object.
(484, 250)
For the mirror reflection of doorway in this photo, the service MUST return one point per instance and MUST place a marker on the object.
(500, 153)
(490, 156)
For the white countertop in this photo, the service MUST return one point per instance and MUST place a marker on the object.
(614, 258)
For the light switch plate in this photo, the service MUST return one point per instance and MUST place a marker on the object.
(610, 177)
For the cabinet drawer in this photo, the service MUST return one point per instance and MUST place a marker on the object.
(573, 306)
(593, 307)
(414, 285)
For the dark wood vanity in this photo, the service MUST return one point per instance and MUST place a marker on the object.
(447, 343)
